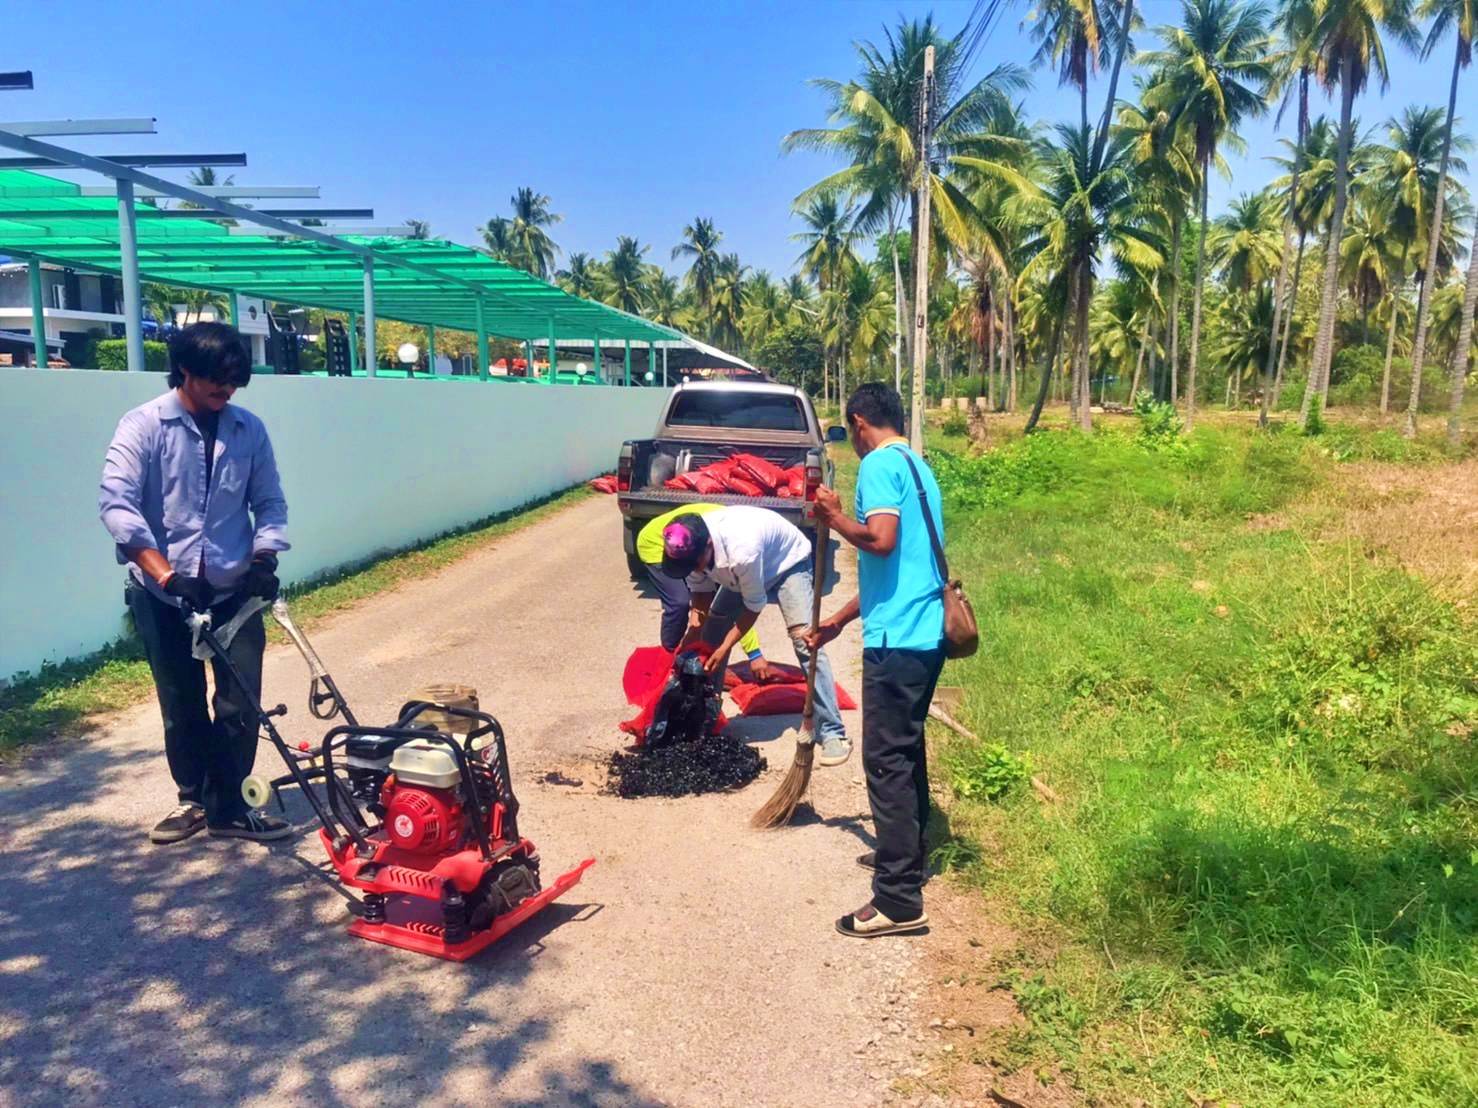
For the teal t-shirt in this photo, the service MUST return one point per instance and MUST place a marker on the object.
(901, 606)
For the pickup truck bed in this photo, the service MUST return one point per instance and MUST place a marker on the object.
(709, 421)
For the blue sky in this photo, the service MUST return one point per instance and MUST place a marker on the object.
(633, 117)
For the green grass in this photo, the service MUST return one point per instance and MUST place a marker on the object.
(1264, 749)
(64, 698)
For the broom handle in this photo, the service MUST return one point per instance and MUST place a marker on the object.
(818, 572)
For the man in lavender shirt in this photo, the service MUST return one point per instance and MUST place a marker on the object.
(192, 500)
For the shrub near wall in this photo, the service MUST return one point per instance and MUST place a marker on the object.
(113, 354)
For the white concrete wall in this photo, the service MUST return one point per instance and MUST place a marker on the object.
(367, 466)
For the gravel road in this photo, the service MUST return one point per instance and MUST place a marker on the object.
(696, 964)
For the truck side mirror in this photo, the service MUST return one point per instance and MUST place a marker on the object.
(836, 433)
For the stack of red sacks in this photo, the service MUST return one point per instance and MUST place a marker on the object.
(744, 475)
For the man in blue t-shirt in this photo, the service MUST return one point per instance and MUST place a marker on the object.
(899, 600)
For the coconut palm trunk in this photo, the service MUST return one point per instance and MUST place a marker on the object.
(1009, 322)
(1274, 371)
(1324, 336)
(1048, 370)
(1173, 354)
(1385, 381)
(1081, 370)
(1429, 274)
(1298, 269)
(1144, 341)
(898, 305)
(1195, 354)
(1464, 345)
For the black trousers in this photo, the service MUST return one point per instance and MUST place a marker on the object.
(207, 759)
(897, 686)
(675, 600)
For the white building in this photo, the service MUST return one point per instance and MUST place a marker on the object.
(74, 303)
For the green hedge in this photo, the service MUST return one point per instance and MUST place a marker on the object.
(113, 354)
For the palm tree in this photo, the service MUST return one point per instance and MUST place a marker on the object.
(764, 308)
(418, 228)
(664, 301)
(874, 119)
(1460, 16)
(728, 299)
(1406, 176)
(529, 245)
(1084, 207)
(831, 231)
(1368, 254)
(1292, 23)
(1464, 343)
(1247, 246)
(1165, 173)
(1346, 39)
(624, 276)
(205, 177)
(497, 237)
(1072, 35)
(581, 277)
(700, 242)
(1214, 73)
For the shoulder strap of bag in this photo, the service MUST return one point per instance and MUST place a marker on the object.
(928, 516)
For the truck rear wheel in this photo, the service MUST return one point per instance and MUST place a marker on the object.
(636, 567)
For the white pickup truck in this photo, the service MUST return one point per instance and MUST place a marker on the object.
(708, 421)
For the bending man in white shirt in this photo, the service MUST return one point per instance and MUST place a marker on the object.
(736, 560)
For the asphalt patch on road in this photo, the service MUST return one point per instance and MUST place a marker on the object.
(713, 764)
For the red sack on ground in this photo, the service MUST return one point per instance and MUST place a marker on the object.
(746, 691)
(765, 473)
(738, 483)
(604, 484)
(779, 700)
(643, 681)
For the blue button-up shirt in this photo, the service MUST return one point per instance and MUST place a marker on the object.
(154, 492)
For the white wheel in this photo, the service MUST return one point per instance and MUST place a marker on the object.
(256, 791)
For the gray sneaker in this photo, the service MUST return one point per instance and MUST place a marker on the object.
(834, 751)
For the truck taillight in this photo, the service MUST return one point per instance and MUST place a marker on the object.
(623, 469)
(813, 478)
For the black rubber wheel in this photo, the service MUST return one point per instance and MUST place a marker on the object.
(636, 567)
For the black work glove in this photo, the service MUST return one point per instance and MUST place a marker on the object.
(196, 592)
(261, 577)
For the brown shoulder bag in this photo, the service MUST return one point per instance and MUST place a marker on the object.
(961, 634)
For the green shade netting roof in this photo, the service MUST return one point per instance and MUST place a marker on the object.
(416, 280)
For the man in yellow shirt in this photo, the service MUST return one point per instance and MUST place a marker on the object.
(676, 600)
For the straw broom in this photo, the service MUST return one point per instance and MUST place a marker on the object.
(777, 811)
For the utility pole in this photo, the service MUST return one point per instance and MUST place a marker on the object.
(921, 259)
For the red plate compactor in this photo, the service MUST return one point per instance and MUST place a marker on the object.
(420, 816)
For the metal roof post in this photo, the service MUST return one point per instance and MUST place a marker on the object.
(595, 363)
(628, 363)
(133, 301)
(431, 349)
(38, 315)
(482, 342)
(665, 382)
(369, 317)
(553, 358)
(652, 362)
(353, 343)
(528, 357)
(235, 305)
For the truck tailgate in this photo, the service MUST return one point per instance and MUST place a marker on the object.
(664, 500)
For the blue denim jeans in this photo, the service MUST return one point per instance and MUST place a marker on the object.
(793, 593)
